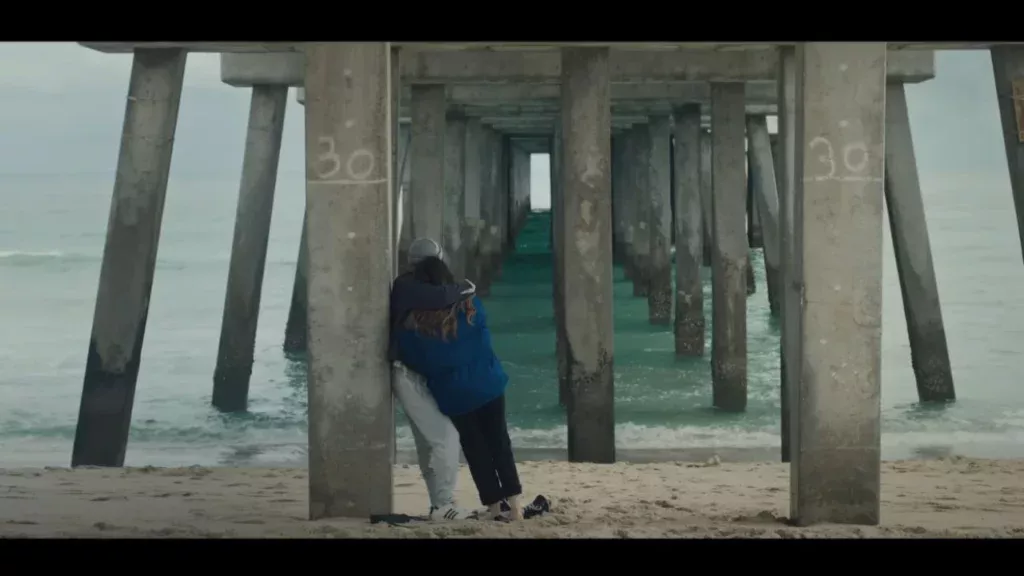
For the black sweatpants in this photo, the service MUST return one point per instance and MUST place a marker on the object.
(483, 434)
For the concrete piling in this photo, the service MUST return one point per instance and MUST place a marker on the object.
(472, 182)
(788, 254)
(427, 160)
(706, 196)
(1008, 70)
(659, 287)
(348, 206)
(762, 177)
(689, 318)
(929, 353)
(730, 257)
(641, 148)
(840, 162)
(558, 262)
(454, 193)
(628, 195)
(249, 249)
(129, 257)
(296, 330)
(586, 177)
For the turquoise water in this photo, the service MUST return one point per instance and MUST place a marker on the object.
(51, 238)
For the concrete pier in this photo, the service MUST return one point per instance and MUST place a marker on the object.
(1008, 68)
(296, 330)
(558, 261)
(641, 178)
(454, 193)
(659, 286)
(840, 164)
(689, 318)
(472, 182)
(427, 160)
(706, 196)
(755, 238)
(249, 249)
(762, 177)
(730, 257)
(586, 177)
(129, 257)
(929, 353)
(348, 206)
(396, 151)
(791, 289)
(628, 196)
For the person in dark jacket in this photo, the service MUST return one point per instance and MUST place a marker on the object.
(437, 441)
(452, 349)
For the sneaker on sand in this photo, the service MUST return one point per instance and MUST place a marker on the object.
(450, 512)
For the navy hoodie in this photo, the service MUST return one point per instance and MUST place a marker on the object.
(408, 294)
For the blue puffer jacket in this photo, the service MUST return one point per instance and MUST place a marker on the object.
(463, 373)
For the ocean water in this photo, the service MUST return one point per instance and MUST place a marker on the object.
(52, 230)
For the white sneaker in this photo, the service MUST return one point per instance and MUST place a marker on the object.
(449, 512)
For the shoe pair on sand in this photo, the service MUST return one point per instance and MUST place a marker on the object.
(502, 512)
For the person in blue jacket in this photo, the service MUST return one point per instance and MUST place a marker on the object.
(452, 349)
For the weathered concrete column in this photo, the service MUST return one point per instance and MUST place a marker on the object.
(427, 160)
(928, 351)
(586, 128)
(473, 165)
(792, 302)
(129, 256)
(396, 160)
(841, 161)
(489, 211)
(730, 257)
(628, 195)
(454, 194)
(1008, 69)
(520, 191)
(501, 207)
(618, 198)
(689, 319)
(754, 235)
(249, 249)
(348, 206)
(295, 331)
(641, 147)
(659, 286)
(762, 177)
(706, 195)
(403, 175)
(558, 260)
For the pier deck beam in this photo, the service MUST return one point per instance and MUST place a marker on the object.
(659, 287)
(909, 229)
(427, 161)
(641, 179)
(454, 194)
(840, 163)
(129, 257)
(1008, 69)
(730, 253)
(689, 318)
(586, 177)
(249, 249)
(766, 202)
(348, 205)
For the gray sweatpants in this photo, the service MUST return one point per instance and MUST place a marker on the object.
(437, 441)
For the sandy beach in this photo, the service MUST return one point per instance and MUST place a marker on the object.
(955, 497)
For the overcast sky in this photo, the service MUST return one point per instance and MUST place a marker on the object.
(62, 106)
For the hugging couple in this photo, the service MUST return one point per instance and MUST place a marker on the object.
(451, 386)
